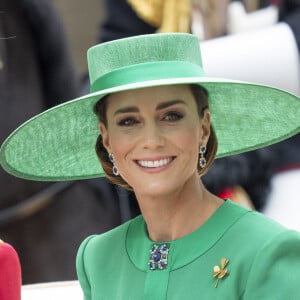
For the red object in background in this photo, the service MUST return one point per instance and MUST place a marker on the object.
(276, 2)
(227, 194)
(10, 273)
(238, 195)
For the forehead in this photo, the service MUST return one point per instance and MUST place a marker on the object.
(150, 96)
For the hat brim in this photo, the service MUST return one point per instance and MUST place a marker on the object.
(59, 144)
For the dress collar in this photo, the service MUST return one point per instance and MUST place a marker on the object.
(186, 249)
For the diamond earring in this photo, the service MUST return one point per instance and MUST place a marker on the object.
(114, 168)
(202, 160)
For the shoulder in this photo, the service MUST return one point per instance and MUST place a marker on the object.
(264, 256)
(95, 252)
(268, 234)
(112, 238)
(254, 225)
(9, 261)
(255, 233)
(10, 275)
(275, 269)
(99, 246)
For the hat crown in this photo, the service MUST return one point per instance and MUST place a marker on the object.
(110, 56)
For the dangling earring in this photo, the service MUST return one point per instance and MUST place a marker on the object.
(114, 168)
(202, 160)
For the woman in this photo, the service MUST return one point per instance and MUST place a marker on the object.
(160, 119)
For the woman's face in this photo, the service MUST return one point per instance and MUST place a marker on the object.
(155, 134)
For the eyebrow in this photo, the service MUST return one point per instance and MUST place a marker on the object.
(130, 109)
(169, 103)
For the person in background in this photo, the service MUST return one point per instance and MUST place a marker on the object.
(42, 220)
(10, 275)
(36, 73)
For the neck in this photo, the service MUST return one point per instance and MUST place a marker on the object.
(170, 217)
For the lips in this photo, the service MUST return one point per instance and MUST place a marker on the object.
(154, 163)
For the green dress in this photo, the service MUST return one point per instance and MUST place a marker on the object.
(250, 256)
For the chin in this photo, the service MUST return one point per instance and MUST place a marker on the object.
(156, 189)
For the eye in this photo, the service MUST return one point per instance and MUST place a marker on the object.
(172, 116)
(127, 122)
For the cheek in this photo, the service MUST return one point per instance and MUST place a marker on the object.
(187, 145)
(120, 145)
(188, 137)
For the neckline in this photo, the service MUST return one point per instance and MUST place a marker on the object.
(186, 249)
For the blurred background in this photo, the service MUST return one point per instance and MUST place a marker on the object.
(43, 46)
(81, 23)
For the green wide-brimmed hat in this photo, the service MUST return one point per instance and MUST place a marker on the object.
(59, 144)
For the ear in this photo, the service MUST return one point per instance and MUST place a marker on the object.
(205, 127)
(105, 137)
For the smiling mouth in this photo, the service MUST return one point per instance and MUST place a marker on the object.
(154, 163)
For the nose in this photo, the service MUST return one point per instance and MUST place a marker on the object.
(152, 136)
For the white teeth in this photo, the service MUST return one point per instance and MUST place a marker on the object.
(154, 163)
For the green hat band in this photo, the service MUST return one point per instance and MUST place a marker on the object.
(147, 72)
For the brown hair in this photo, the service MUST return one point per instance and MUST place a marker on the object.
(201, 98)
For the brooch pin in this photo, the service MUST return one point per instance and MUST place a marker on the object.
(221, 272)
(158, 257)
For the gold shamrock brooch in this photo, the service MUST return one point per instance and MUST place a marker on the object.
(221, 271)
